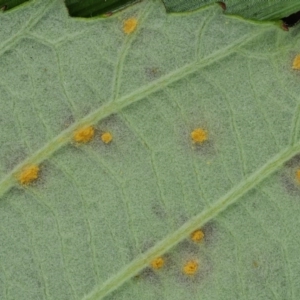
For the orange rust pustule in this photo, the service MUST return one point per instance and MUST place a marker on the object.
(298, 176)
(84, 135)
(191, 267)
(29, 174)
(106, 137)
(197, 236)
(130, 25)
(296, 62)
(199, 135)
(157, 263)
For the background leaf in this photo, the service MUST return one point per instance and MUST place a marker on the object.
(93, 8)
(78, 8)
(99, 213)
(253, 9)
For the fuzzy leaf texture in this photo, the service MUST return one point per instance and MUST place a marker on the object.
(99, 213)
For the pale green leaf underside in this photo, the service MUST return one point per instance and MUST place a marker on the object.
(99, 213)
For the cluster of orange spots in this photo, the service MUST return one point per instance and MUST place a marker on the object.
(296, 62)
(157, 263)
(197, 235)
(84, 135)
(199, 135)
(191, 267)
(29, 174)
(298, 175)
(129, 25)
(106, 137)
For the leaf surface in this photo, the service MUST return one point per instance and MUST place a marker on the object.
(98, 213)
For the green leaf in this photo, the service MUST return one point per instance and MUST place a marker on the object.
(78, 8)
(93, 8)
(252, 9)
(98, 214)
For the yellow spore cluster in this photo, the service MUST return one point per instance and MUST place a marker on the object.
(296, 62)
(197, 235)
(298, 175)
(129, 25)
(106, 137)
(84, 135)
(29, 174)
(157, 263)
(191, 267)
(199, 135)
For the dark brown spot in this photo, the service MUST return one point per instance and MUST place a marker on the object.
(222, 4)
(284, 26)
(108, 14)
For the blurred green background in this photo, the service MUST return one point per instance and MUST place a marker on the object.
(252, 9)
(79, 8)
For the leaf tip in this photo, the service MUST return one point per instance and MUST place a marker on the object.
(129, 25)
(199, 135)
(29, 174)
(84, 135)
